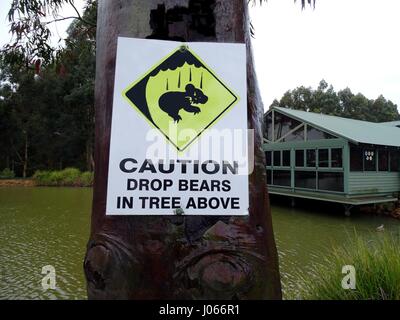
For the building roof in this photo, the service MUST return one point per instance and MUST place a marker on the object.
(354, 130)
(392, 123)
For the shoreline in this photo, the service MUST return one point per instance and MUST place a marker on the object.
(29, 182)
(17, 183)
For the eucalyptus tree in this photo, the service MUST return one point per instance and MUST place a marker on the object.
(343, 103)
(161, 257)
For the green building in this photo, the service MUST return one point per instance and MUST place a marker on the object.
(328, 158)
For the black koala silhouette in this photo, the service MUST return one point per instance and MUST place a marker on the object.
(172, 102)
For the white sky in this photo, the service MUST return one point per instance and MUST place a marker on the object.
(349, 43)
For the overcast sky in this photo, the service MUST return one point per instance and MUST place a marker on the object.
(349, 43)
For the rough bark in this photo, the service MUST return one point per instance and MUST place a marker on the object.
(190, 257)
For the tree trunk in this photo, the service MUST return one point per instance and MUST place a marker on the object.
(186, 257)
(89, 155)
(25, 168)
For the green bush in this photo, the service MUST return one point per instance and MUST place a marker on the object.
(70, 176)
(55, 178)
(377, 267)
(7, 174)
(66, 177)
(87, 179)
(42, 177)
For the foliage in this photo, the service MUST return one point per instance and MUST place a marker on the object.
(67, 177)
(7, 174)
(86, 179)
(29, 25)
(343, 103)
(47, 118)
(377, 266)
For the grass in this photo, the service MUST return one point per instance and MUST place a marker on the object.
(68, 177)
(377, 268)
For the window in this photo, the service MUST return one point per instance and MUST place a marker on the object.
(283, 125)
(297, 135)
(383, 160)
(395, 160)
(336, 158)
(356, 158)
(268, 158)
(277, 158)
(269, 176)
(268, 129)
(315, 134)
(305, 179)
(299, 158)
(286, 158)
(330, 181)
(369, 160)
(323, 158)
(282, 178)
(310, 155)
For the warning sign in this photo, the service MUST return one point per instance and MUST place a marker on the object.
(181, 89)
(179, 140)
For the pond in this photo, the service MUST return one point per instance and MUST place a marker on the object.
(50, 226)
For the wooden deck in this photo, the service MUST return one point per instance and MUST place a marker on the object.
(354, 201)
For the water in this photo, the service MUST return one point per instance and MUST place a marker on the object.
(39, 227)
(50, 226)
(305, 237)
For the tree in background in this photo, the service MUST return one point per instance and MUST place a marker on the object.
(343, 103)
(47, 107)
(24, 106)
(76, 63)
(8, 128)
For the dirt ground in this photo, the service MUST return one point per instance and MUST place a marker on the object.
(17, 183)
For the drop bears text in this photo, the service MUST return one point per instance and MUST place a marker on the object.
(217, 186)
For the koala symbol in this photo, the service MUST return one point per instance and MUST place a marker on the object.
(172, 102)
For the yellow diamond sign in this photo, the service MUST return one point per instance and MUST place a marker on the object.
(181, 96)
